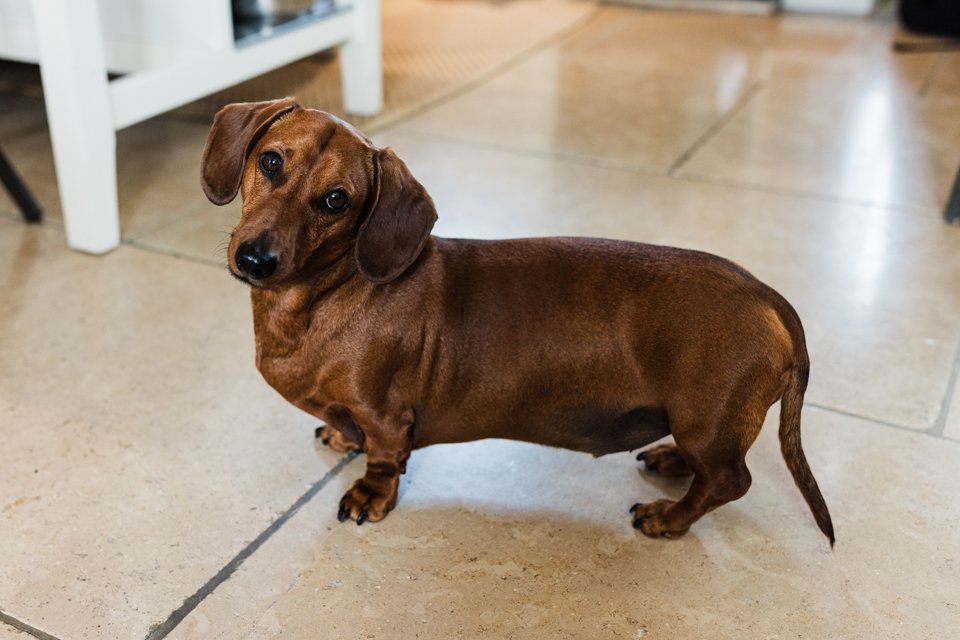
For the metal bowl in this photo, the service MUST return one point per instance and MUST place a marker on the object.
(270, 10)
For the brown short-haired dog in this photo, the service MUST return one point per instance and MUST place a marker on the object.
(398, 339)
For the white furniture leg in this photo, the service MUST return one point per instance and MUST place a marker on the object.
(76, 92)
(361, 66)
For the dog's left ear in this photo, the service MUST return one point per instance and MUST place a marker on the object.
(236, 128)
(397, 225)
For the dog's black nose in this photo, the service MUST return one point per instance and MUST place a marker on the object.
(254, 261)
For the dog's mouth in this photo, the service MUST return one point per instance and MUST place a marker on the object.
(245, 279)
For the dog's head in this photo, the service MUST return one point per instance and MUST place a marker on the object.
(315, 192)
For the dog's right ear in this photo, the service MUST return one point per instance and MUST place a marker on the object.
(236, 128)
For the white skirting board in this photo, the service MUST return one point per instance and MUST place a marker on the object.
(757, 7)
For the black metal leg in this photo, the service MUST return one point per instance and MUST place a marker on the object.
(953, 205)
(18, 191)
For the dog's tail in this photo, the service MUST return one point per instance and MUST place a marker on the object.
(790, 406)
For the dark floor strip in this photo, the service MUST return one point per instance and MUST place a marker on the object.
(161, 630)
(25, 628)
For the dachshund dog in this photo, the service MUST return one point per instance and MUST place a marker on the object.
(398, 339)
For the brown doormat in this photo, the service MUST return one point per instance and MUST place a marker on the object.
(431, 49)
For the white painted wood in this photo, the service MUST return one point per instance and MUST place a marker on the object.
(147, 93)
(81, 125)
(848, 7)
(361, 62)
(136, 34)
(199, 25)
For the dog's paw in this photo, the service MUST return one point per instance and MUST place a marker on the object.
(665, 460)
(334, 439)
(649, 519)
(366, 503)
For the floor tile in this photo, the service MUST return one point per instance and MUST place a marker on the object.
(200, 232)
(868, 149)
(861, 122)
(142, 449)
(499, 539)
(9, 633)
(647, 116)
(665, 79)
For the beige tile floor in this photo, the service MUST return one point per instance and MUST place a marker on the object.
(153, 486)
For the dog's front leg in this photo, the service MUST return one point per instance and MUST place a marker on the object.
(387, 442)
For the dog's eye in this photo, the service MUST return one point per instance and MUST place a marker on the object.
(271, 163)
(335, 202)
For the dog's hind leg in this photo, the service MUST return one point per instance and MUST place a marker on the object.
(711, 487)
(714, 451)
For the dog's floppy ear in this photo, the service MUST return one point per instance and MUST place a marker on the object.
(236, 128)
(397, 225)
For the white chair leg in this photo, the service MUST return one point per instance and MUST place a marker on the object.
(361, 66)
(76, 92)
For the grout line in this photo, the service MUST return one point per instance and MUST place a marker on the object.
(10, 215)
(940, 424)
(490, 74)
(540, 154)
(715, 128)
(19, 625)
(906, 209)
(932, 76)
(876, 421)
(133, 243)
(648, 170)
(162, 629)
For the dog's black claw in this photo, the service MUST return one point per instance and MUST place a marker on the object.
(325, 441)
(634, 507)
(638, 523)
(642, 455)
(664, 534)
(317, 432)
(344, 513)
(361, 518)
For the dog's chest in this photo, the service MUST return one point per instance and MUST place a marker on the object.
(300, 357)
(283, 347)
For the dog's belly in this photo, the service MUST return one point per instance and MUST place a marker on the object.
(593, 430)
(633, 429)
(597, 431)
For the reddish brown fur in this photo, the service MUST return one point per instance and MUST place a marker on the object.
(399, 339)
